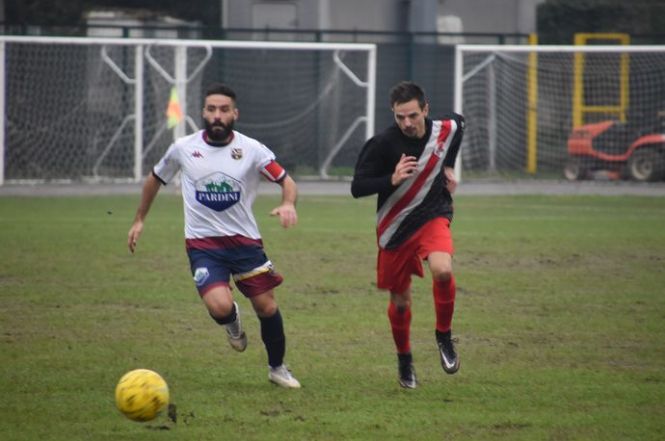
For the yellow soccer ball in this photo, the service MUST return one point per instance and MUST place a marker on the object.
(141, 394)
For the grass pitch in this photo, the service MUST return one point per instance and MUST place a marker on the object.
(560, 316)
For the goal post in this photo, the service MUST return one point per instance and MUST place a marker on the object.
(94, 109)
(503, 90)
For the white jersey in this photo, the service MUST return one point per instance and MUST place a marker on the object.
(219, 183)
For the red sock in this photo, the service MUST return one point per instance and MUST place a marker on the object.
(444, 303)
(400, 322)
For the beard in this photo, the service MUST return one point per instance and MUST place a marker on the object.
(218, 131)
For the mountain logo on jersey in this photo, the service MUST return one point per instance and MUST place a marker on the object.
(218, 191)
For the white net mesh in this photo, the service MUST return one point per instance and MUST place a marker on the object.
(62, 105)
(71, 107)
(496, 97)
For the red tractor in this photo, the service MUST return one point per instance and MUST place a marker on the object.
(619, 150)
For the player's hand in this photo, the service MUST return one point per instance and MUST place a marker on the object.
(133, 235)
(451, 182)
(404, 169)
(287, 215)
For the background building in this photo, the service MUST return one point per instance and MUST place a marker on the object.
(479, 16)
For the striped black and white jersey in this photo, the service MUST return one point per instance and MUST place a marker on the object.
(402, 210)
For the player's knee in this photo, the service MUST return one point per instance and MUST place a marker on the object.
(266, 310)
(219, 301)
(222, 313)
(401, 302)
(442, 274)
(402, 306)
(264, 305)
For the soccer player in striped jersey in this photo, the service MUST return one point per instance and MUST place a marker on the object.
(220, 169)
(410, 166)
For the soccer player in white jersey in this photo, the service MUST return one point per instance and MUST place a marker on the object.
(410, 166)
(220, 171)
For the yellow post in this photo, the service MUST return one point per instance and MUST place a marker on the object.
(580, 108)
(578, 84)
(624, 87)
(532, 117)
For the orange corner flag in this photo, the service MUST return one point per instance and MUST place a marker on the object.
(173, 111)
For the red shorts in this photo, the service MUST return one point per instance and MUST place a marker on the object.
(395, 267)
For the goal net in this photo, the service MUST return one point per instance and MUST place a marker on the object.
(86, 109)
(578, 112)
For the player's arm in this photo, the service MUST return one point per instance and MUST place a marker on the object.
(288, 216)
(451, 181)
(453, 149)
(150, 189)
(368, 176)
(451, 155)
(372, 175)
(286, 211)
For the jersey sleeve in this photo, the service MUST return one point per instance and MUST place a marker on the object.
(453, 150)
(274, 172)
(268, 166)
(168, 166)
(370, 175)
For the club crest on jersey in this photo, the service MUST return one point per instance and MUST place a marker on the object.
(218, 191)
(236, 153)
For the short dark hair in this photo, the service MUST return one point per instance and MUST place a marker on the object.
(220, 89)
(405, 91)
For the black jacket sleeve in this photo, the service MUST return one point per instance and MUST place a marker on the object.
(370, 175)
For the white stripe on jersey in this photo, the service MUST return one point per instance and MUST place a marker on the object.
(398, 196)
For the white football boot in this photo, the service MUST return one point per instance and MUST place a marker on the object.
(281, 376)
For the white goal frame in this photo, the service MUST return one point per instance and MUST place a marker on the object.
(460, 76)
(181, 78)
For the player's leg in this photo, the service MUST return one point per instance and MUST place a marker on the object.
(443, 289)
(437, 248)
(219, 301)
(224, 311)
(399, 315)
(211, 277)
(255, 278)
(274, 339)
(272, 327)
(394, 269)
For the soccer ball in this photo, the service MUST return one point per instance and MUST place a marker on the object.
(141, 394)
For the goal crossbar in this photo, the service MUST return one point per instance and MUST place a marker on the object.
(181, 77)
